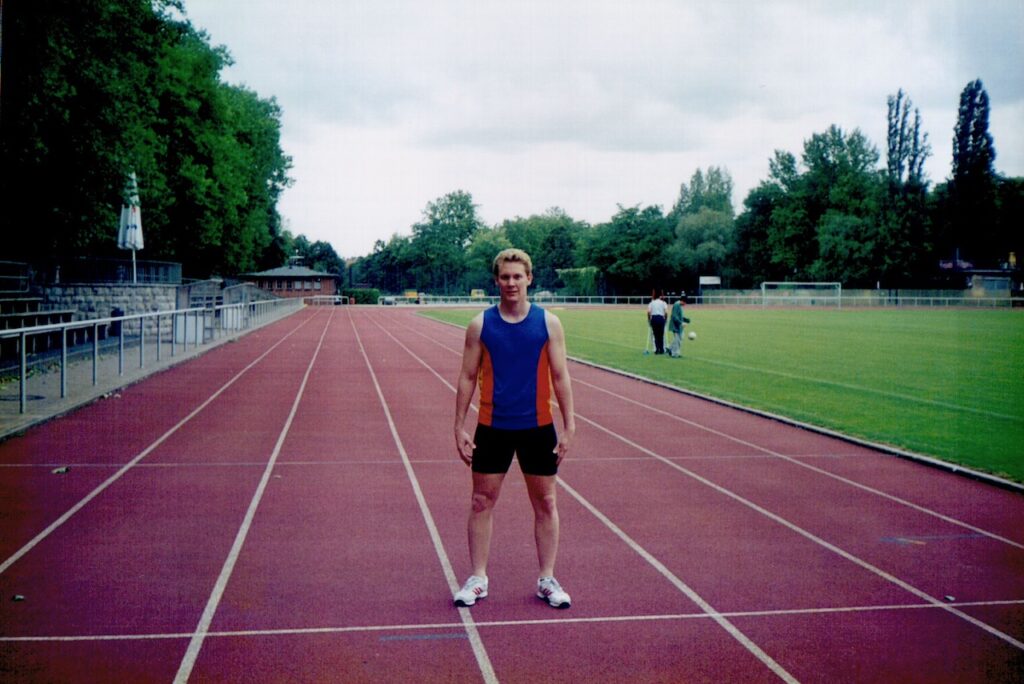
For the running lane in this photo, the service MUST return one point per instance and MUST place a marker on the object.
(113, 589)
(628, 621)
(338, 579)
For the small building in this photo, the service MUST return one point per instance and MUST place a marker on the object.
(294, 280)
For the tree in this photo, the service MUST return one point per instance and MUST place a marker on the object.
(703, 242)
(712, 191)
(440, 240)
(751, 258)
(632, 251)
(972, 191)
(907, 147)
(703, 218)
(96, 89)
(904, 236)
(486, 244)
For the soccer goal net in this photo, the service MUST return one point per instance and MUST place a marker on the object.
(801, 294)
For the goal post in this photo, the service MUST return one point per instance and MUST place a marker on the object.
(801, 294)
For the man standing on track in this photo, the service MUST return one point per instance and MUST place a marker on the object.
(516, 351)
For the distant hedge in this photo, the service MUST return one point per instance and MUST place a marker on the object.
(362, 295)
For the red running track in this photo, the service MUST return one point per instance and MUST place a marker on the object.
(290, 508)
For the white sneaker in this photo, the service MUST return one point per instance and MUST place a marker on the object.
(474, 588)
(551, 591)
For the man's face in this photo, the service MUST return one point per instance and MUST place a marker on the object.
(512, 280)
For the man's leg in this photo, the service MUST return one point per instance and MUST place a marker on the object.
(486, 487)
(658, 323)
(545, 520)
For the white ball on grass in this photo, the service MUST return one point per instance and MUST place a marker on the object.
(692, 335)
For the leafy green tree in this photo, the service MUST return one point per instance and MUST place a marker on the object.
(706, 191)
(73, 103)
(1010, 227)
(751, 259)
(703, 217)
(96, 89)
(632, 251)
(834, 199)
(388, 267)
(440, 240)
(486, 244)
(704, 241)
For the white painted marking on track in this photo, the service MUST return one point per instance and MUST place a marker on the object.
(483, 660)
(606, 619)
(141, 455)
(730, 628)
(199, 636)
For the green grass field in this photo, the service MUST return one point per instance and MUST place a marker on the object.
(942, 382)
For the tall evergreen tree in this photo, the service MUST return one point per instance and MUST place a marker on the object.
(905, 242)
(972, 192)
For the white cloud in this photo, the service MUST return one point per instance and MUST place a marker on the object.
(588, 104)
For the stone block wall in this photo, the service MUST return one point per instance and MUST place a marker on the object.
(91, 301)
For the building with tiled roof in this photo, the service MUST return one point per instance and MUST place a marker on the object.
(294, 280)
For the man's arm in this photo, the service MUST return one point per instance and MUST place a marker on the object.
(472, 354)
(561, 383)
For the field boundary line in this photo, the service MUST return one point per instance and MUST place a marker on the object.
(479, 651)
(609, 619)
(730, 629)
(141, 455)
(219, 587)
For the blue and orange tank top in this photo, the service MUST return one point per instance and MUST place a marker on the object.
(515, 377)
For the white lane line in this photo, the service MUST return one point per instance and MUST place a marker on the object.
(808, 466)
(199, 636)
(483, 660)
(682, 586)
(408, 627)
(790, 459)
(142, 454)
(724, 623)
(906, 586)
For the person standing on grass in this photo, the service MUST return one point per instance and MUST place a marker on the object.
(656, 311)
(515, 350)
(677, 321)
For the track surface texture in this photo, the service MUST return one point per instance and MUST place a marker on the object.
(290, 508)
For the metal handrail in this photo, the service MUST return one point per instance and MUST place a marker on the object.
(207, 325)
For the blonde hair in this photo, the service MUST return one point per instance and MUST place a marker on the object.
(515, 256)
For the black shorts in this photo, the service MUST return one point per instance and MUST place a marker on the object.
(534, 447)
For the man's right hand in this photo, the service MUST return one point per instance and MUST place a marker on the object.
(465, 446)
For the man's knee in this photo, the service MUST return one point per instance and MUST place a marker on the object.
(545, 504)
(483, 501)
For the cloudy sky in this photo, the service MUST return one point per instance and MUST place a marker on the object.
(589, 104)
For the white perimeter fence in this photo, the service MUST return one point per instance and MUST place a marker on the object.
(752, 298)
